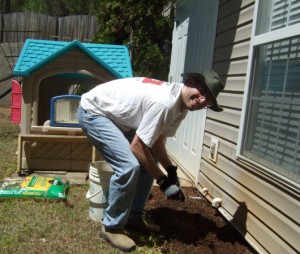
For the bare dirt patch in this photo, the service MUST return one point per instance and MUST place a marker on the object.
(192, 226)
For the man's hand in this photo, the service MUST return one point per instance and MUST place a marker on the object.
(171, 189)
(172, 174)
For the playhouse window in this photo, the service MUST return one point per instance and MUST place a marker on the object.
(271, 117)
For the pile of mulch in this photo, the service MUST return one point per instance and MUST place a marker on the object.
(192, 226)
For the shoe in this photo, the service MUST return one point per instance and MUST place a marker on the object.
(140, 223)
(117, 238)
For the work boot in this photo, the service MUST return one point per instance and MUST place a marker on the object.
(117, 238)
(140, 223)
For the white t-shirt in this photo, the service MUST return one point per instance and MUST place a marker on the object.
(152, 107)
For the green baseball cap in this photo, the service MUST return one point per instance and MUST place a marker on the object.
(212, 82)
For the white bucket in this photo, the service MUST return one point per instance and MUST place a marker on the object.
(99, 178)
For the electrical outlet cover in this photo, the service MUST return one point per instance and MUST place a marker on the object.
(213, 150)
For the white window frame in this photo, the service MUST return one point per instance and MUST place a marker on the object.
(257, 40)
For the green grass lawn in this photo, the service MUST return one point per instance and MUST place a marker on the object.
(43, 226)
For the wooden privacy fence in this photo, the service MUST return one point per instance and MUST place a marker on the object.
(79, 27)
(19, 26)
(15, 28)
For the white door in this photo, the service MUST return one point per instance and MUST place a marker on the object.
(179, 41)
(177, 65)
(186, 146)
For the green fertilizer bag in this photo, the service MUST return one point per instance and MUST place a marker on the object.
(34, 187)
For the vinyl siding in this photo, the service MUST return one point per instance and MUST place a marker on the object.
(264, 210)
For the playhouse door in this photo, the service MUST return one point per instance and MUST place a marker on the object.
(191, 51)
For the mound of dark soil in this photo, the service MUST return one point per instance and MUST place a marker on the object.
(193, 226)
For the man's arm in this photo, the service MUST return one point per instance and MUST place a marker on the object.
(160, 152)
(168, 185)
(145, 157)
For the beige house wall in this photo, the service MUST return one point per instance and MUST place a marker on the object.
(263, 209)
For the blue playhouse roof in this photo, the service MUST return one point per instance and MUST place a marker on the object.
(37, 53)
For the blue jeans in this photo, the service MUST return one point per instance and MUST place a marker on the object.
(130, 185)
